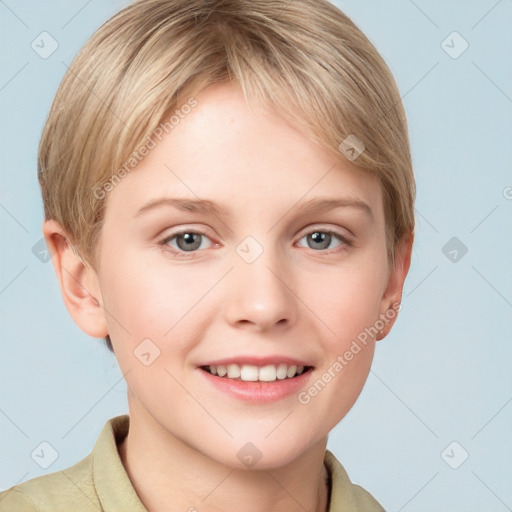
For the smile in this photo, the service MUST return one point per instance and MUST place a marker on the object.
(252, 373)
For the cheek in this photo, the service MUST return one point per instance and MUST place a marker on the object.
(346, 300)
(150, 299)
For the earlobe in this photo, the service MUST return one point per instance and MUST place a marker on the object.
(392, 297)
(78, 282)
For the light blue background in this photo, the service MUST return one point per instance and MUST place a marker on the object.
(442, 375)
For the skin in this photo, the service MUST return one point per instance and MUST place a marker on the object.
(299, 298)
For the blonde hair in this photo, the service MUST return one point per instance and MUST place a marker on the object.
(305, 58)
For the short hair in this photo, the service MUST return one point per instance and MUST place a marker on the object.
(305, 58)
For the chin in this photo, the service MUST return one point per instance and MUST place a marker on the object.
(260, 456)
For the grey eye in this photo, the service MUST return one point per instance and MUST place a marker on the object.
(322, 240)
(188, 241)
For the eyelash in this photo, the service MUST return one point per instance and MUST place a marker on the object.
(192, 254)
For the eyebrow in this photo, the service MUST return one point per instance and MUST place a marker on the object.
(204, 206)
(207, 207)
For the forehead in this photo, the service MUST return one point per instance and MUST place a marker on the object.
(246, 157)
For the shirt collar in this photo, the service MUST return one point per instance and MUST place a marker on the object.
(116, 493)
(114, 488)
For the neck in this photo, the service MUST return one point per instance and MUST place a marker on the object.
(171, 476)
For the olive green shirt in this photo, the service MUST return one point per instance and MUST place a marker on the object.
(99, 482)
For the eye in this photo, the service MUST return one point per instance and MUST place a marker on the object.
(322, 239)
(186, 243)
(183, 242)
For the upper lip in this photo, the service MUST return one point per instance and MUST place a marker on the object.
(256, 361)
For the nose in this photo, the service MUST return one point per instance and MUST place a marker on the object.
(259, 295)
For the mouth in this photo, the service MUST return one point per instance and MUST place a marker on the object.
(251, 373)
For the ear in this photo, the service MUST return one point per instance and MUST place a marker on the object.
(79, 284)
(392, 297)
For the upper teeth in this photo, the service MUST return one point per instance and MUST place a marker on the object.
(248, 372)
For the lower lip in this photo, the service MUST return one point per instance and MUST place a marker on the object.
(258, 392)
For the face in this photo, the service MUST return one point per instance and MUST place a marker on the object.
(274, 276)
